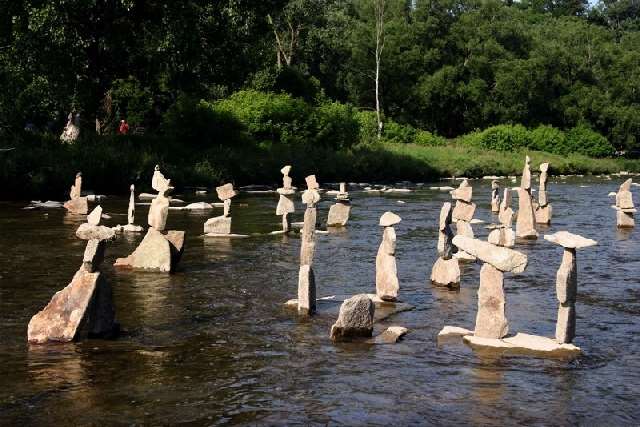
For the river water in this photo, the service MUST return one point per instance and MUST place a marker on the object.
(213, 343)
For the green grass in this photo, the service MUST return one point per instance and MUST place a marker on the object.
(44, 168)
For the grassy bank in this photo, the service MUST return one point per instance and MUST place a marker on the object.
(44, 168)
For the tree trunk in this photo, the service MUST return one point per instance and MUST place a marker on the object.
(379, 11)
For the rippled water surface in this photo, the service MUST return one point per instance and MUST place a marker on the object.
(213, 344)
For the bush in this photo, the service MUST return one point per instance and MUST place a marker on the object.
(424, 137)
(584, 140)
(269, 116)
(337, 125)
(549, 139)
(397, 133)
(288, 80)
(368, 125)
(500, 138)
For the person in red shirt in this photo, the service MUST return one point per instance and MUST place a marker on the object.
(124, 127)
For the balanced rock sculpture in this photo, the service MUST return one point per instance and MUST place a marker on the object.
(463, 214)
(567, 282)
(84, 308)
(221, 225)
(160, 250)
(446, 270)
(387, 285)
(491, 320)
(306, 278)
(339, 212)
(76, 203)
(130, 227)
(355, 319)
(495, 196)
(525, 221)
(285, 203)
(543, 209)
(624, 206)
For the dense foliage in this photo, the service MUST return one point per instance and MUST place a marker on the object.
(448, 66)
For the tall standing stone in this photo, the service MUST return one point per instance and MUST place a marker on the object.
(543, 209)
(491, 320)
(131, 227)
(76, 203)
(306, 277)
(567, 282)
(625, 209)
(387, 284)
(525, 221)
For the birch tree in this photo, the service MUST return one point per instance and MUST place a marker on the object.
(379, 15)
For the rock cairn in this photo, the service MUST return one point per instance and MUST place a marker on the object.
(76, 203)
(84, 308)
(525, 222)
(355, 319)
(446, 270)
(130, 227)
(339, 212)
(567, 282)
(387, 285)
(491, 321)
(285, 203)
(160, 250)
(306, 278)
(502, 234)
(624, 206)
(543, 209)
(495, 196)
(221, 225)
(463, 214)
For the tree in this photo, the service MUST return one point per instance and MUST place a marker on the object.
(379, 12)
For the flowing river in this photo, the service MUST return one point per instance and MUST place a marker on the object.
(213, 344)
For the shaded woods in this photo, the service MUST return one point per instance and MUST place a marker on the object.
(225, 89)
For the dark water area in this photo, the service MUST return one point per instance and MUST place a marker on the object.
(213, 343)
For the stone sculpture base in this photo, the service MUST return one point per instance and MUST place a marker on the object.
(491, 321)
(502, 237)
(218, 225)
(524, 344)
(543, 214)
(338, 215)
(446, 272)
(157, 251)
(77, 206)
(306, 290)
(83, 309)
(625, 219)
(129, 228)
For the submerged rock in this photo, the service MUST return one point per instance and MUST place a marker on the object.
(355, 319)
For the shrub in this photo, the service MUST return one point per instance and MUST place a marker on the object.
(368, 126)
(424, 137)
(549, 139)
(397, 133)
(269, 116)
(501, 138)
(337, 125)
(584, 140)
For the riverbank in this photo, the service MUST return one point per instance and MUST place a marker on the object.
(44, 168)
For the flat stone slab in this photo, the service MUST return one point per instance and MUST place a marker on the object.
(570, 240)
(227, 236)
(454, 331)
(504, 259)
(390, 336)
(389, 219)
(524, 344)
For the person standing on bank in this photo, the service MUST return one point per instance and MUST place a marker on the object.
(124, 127)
